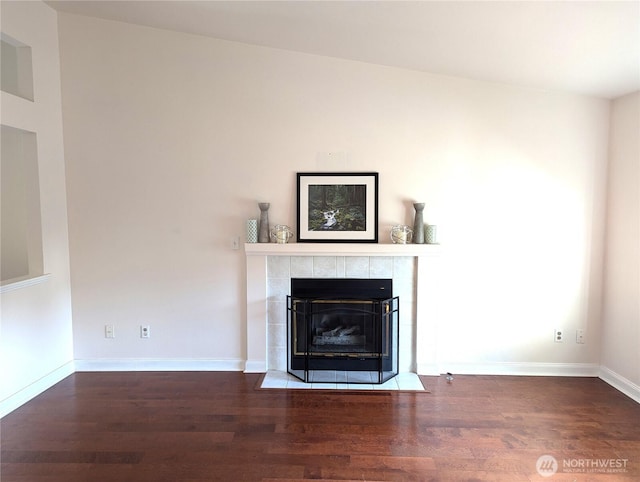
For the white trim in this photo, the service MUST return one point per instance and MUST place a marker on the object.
(34, 389)
(160, 365)
(24, 283)
(255, 366)
(340, 249)
(620, 383)
(427, 369)
(523, 369)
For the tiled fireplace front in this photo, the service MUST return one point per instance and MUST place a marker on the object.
(270, 267)
(280, 270)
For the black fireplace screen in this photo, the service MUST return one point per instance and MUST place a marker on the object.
(330, 335)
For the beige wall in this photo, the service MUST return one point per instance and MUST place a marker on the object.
(36, 333)
(172, 139)
(621, 314)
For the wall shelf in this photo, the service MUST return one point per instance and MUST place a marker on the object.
(17, 68)
(340, 249)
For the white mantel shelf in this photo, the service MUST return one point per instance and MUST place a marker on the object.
(340, 249)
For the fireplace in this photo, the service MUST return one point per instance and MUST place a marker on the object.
(342, 325)
(414, 268)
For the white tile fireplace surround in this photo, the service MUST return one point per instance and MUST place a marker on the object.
(413, 268)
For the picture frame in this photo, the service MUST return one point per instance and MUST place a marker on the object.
(337, 207)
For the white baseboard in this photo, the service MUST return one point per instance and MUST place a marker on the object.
(34, 389)
(619, 382)
(428, 369)
(523, 369)
(158, 365)
(255, 366)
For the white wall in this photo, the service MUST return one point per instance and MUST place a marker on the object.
(621, 313)
(172, 139)
(36, 332)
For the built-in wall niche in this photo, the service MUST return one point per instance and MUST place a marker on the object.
(20, 222)
(16, 71)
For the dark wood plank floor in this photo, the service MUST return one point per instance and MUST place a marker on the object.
(199, 427)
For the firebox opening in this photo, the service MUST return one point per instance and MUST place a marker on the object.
(348, 325)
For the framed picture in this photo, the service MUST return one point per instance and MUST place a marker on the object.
(337, 207)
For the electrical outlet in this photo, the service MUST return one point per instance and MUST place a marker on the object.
(109, 331)
(558, 336)
(580, 336)
(145, 331)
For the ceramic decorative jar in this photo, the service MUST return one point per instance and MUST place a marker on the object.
(252, 231)
(431, 236)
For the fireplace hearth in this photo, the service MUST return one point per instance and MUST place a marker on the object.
(342, 325)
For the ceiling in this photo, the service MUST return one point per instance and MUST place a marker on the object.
(590, 48)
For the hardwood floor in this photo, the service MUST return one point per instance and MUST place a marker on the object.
(207, 426)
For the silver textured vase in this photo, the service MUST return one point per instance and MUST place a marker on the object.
(263, 231)
(418, 224)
